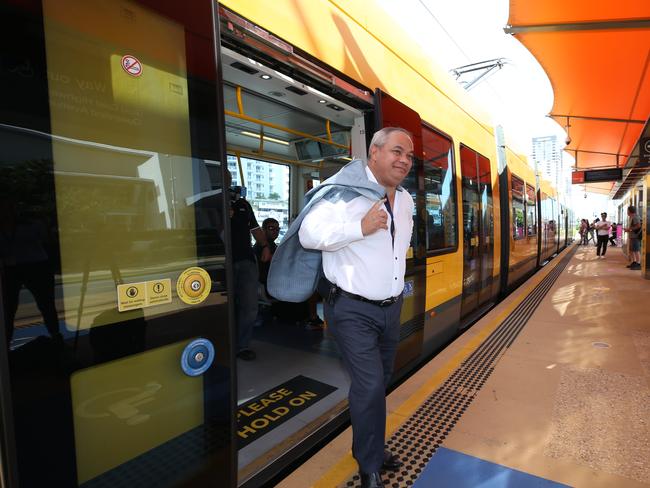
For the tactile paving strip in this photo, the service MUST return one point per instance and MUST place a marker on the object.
(418, 438)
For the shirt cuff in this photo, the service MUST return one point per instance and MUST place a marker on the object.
(353, 231)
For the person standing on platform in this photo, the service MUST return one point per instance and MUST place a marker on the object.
(271, 228)
(602, 231)
(592, 230)
(364, 242)
(612, 238)
(584, 229)
(634, 230)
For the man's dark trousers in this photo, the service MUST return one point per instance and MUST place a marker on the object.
(602, 245)
(367, 336)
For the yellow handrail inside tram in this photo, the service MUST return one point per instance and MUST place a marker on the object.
(271, 157)
(284, 129)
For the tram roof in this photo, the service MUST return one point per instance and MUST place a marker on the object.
(596, 56)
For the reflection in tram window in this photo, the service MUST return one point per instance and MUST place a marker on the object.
(531, 211)
(439, 184)
(518, 209)
(131, 215)
(105, 181)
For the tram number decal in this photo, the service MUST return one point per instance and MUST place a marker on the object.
(272, 408)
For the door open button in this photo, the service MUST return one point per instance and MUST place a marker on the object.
(197, 357)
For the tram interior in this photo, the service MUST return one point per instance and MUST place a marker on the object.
(279, 163)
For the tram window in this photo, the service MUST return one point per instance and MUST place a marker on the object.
(269, 195)
(439, 190)
(552, 224)
(518, 208)
(531, 211)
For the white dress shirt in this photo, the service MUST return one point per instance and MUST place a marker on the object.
(603, 227)
(370, 266)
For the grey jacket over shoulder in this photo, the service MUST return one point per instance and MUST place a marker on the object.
(295, 271)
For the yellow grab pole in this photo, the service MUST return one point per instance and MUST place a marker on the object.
(240, 104)
(284, 129)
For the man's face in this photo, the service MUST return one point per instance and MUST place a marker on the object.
(272, 229)
(392, 162)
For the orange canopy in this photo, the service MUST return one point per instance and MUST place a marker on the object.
(597, 55)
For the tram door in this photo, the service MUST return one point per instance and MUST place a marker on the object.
(478, 230)
(392, 113)
(116, 359)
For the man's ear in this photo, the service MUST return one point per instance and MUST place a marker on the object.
(371, 154)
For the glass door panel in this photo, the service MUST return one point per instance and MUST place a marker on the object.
(487, 228)
(392, 113)
(113, 270)
(471, 231)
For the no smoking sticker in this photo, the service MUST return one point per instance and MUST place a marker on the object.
(131, 65)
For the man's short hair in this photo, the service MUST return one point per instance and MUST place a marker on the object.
(604, 214)
(381, 136)
(631, 209)
(268, 221)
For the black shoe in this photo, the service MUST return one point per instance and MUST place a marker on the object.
(391, 462)
(371, 480)
(246, 355)
(636, 266)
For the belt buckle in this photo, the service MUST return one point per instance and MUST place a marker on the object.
(386, 302)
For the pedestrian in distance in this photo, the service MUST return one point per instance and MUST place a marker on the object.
(602, 227)
(634, 229)
(612, 238)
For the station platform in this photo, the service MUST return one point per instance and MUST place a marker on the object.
(550, 389)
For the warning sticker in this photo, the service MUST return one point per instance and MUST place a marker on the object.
(131, 296)
(131, 65)
(146, 294)
(193, 285)
(159, 291)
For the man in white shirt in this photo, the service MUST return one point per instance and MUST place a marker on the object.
(602, 229)
(364, 245)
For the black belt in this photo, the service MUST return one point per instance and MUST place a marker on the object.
(332, 290)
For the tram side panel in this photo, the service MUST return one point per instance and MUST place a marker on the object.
(522, 238)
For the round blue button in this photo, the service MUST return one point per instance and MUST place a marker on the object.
(197, 357)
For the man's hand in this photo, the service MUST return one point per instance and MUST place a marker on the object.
(266, 255)
(375, 219)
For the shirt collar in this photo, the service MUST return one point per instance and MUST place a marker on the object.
(372, 178)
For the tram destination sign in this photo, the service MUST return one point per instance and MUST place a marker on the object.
(596, 175)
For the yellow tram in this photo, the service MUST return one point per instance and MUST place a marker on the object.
(117, 124)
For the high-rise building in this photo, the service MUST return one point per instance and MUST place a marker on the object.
(547, 157)
(267, 188)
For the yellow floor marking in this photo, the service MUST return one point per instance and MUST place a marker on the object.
(347, 466)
